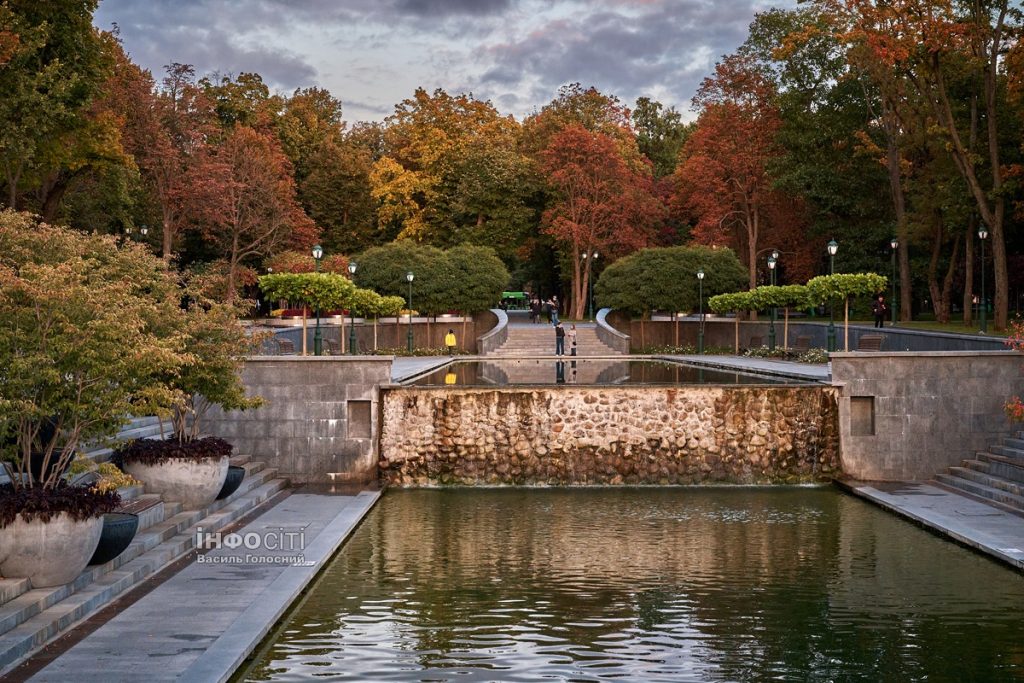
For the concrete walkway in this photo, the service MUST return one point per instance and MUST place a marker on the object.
(201, 623)
(402, 368)
(781, 368)
(990, 530)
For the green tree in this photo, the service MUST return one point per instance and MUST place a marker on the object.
(828, 288)
(383, 269)
(660, 134)
(733, 302)
(316, 291)
(479, 277)
(53, 71)
(665, 279)
(84, 338)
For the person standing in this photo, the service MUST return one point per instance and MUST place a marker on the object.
(554, 310)
(534, 310)
(571, 334)
(559, 339)
(450, 342)
(879, 308)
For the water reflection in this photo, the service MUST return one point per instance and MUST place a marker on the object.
(583, 371)
(646, 585)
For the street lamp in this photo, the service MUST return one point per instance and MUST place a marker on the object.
(833, 247)
(352, 315)
(318, 341)
(982, 235)
(700, 314)
(772, 261)
(590, 283)
(144, 230)
(409, 277)
(895, 244)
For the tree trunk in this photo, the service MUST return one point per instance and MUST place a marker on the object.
(303, 329)
(968, 312)
(892, 165)
(941, 295)
(846, 324)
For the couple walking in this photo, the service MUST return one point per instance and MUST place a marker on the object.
(560, 335)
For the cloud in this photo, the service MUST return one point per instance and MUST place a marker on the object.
(517, 53)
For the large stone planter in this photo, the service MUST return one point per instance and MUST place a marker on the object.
(193, 483)
(49, 553)
(119, 529)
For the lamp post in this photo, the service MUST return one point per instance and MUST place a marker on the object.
(352, 315)
(833, 247)
(145, 231)
(590, 284)
(895, 244)
(700, 309)
(318, 341)
(409, 278)
(982, 235)
(772, 261)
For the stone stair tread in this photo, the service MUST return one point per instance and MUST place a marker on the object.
(144, 541)
(982, 490)
(987, 479)
(12, 588)
(1008, 451)
(43, 625)
(140, 504)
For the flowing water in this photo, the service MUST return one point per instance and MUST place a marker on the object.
(709, 584)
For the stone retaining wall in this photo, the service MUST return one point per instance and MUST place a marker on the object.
(912, 415)
(609, 435)
(319, 421)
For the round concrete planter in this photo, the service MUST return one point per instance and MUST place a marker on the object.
(119, 528)
(234, 479)
(49, 553)
(193, 483)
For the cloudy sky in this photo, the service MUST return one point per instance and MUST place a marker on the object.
(372, 54)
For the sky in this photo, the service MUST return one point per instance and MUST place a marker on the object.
(372, 54)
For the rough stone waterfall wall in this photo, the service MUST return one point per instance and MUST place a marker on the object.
(609, 435)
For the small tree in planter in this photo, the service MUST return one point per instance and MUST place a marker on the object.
(187, 468)
(827, 288)
(784, 297)
(316, 291)
(81, 342)
(733, 302)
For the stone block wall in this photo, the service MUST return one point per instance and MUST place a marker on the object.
(319, 423)
(609, 435)
(908, 416)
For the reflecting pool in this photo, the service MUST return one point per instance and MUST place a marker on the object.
(524, 371)
(710, 584)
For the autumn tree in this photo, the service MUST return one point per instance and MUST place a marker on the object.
(246, 204)
(929, 41)
(723, 178)
(424, 183)
(54, 65)
(599, 204)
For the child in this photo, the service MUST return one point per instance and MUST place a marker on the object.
(449, 342)
(571, 334)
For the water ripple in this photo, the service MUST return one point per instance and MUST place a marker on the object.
(648, 585)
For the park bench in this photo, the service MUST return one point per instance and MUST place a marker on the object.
(803, 344)
(333, 347)
(755, 342)
(285, 346)
(870, 342)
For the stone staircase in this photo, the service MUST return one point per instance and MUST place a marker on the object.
(526, 340)
(995, 476)
(31, 618)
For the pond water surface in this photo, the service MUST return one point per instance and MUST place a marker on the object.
(708, 584)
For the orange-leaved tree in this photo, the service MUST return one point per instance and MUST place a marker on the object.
(247, 205)
(722, 182)
(599, 203)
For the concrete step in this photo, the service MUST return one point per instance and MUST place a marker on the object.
(988, 479)
(45, 625)
(156, 525)
(1001, 466)
(1014, 442)
(982, 490)
(1007, 451)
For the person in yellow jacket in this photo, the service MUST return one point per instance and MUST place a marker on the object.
(449, 342)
